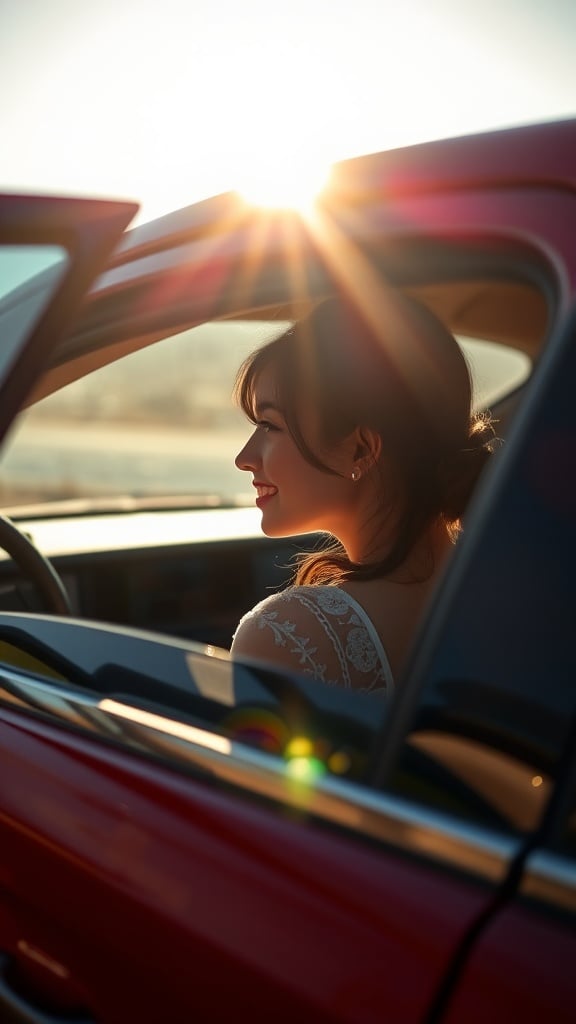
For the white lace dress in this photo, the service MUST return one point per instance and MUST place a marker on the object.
(319, 631)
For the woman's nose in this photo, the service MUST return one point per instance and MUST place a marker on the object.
(248, 458)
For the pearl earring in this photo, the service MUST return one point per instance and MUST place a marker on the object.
(355, 474)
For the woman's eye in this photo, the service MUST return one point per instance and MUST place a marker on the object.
(266, 425)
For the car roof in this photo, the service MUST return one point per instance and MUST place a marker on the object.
(529, 154)
(223, 257)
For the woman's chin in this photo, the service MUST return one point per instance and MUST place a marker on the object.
(272, 531)
(275, 529)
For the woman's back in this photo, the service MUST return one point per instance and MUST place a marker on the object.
(358, 634)
(396, 605)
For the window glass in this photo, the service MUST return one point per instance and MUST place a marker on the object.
(496, 370)
(158, 422)
(493, 679)
(29, 277)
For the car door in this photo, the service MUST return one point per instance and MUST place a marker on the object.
(495, 703)
(521, 965)
(51, 249)
(154, 869)
(525, 955)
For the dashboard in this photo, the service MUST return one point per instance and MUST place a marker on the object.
(190, 574)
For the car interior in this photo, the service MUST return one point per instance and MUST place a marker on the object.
(174, 584)
(189, 570)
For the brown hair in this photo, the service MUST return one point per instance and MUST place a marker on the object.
(405, 378)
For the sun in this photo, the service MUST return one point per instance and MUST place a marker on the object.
(284, 184)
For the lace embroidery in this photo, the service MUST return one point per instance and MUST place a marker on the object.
(348, 635)
(286, 631)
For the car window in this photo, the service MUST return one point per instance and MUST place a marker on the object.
(493, 679)
(29, 276)
(160, 422)
(496, 370)
(168, 408)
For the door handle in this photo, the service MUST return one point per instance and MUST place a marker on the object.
(16, 1009)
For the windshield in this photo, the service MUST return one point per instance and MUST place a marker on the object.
(160, 424)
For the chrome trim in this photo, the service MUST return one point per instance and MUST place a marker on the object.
(550, 878)
(350, 805)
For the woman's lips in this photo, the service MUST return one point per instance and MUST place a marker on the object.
(264, 493)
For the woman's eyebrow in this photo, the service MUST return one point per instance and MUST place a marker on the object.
(266, 407)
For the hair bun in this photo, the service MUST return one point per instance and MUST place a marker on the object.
(459, 472)
(482, 434)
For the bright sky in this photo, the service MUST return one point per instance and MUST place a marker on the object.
(169, 101)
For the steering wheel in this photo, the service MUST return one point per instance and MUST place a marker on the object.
(36, 567)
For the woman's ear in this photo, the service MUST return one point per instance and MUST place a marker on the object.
(368, 448)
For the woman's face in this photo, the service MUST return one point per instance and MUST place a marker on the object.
(294, 496)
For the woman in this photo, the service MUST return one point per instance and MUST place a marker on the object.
(362, 430)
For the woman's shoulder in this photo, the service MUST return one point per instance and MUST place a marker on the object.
(324, 599)
(316, 625)
(283, 624)
(282, 602)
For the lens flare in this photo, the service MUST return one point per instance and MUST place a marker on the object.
(299, 746)
(305, 769)
(340, 762)
(257, 727)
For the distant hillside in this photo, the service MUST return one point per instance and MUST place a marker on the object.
(187, 378)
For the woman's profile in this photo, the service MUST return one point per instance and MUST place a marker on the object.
(362, 431)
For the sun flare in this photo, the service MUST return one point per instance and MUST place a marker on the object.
(285, 185)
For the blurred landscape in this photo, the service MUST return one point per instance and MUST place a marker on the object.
(162, 421)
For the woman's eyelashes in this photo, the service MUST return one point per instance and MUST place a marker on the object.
(266, 426)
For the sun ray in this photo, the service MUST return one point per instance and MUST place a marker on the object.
(374, 298)
(254, 254)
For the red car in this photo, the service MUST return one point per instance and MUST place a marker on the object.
(183, 838)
